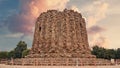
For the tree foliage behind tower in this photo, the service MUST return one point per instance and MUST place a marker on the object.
(101, 52)
(21, 46)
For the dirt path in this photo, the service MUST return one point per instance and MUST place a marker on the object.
(9, 66)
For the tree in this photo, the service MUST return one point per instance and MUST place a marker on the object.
(3, 55)
(98, 51)
(101, 52)
(112, 53)
(25, 52)
(95, 50)
(118, 53)
(11, 54)
(18, 52)
(21, 46)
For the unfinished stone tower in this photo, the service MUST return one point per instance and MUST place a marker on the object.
(60, 39)
(60, 34)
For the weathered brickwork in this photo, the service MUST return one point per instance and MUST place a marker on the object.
(60, 39)
(60, 34)
(61, 62)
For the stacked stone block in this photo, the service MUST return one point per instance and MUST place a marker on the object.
(60, 34)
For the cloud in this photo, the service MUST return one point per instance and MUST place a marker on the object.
(95, 29)
(103, 42)
(14, 35)
(100, 40)
(73, 7)
(97, 12)
(23, 22)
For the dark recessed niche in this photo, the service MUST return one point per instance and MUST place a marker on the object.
(39, 28)
(81, 25)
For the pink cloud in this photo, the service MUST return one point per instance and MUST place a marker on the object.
(95, 29)
(24, 21)
(97, 12)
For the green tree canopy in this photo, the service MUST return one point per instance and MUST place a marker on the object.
(19, 51)
(25, 52)
(118, 53)
(101, 52)
(21, 46)
(3, 55)
(11, 54)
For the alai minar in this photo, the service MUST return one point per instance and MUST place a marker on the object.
(60, 34)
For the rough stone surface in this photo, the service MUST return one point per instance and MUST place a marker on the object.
(60, 39)
(60, 34)
(18, 66)
(60, 62)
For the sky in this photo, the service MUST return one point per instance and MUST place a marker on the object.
(18, 17)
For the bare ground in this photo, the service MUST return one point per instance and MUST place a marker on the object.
(16, 66)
